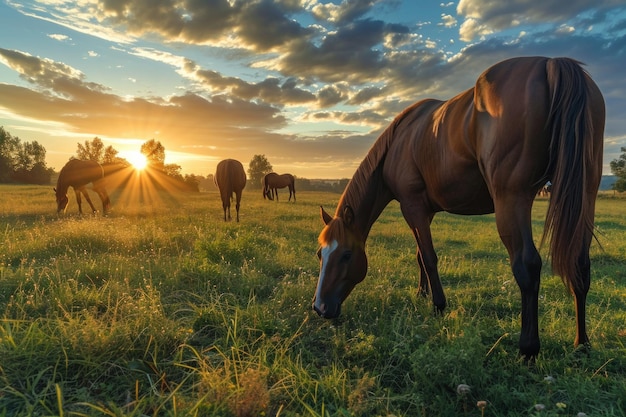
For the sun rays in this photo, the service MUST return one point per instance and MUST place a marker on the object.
(143, 189)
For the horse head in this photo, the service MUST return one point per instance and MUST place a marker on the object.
(343, 263)
(62, 201)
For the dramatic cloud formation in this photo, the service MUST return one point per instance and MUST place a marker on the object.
(308, 83)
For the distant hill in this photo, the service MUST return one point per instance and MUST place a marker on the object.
(607, 182)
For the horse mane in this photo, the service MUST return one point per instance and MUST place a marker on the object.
(362, 179)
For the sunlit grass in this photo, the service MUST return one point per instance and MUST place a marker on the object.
(162, 308)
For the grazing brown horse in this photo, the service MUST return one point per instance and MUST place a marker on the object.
(489, 149)
(77, 174)
(272, 182)
(230, 178)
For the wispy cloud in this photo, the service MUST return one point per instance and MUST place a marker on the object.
(343, 69)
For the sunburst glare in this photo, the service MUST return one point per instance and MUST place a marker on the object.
(137, 160)
(140, 190)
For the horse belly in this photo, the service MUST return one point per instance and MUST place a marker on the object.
(455, 184)
(467, 199)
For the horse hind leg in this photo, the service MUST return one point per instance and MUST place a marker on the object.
(513, 220)
(580, 296)
(237, 204)
(292, 190)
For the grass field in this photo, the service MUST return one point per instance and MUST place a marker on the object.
(163, 309)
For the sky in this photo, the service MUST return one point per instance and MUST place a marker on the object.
(310, 84)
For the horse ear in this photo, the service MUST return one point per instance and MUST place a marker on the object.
(325, 216)
(348, 215)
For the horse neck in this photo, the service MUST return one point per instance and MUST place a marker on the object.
(61, 188)
(367, 195)
(62, 185)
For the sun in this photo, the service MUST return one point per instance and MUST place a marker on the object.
(137, 160)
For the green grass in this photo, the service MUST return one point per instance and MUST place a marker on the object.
(163, 309)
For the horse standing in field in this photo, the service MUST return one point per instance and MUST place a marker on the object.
(272, 182)
(488, 150)
(230, 178)
(77, 174)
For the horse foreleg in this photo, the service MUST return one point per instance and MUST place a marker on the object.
(426, 255)
(424, 287)
(77, 192)
(513, 219)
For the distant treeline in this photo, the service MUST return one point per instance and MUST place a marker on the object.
(302, 184)
(22, 162)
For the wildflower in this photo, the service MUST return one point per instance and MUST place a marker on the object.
(581, 414)
(482, 405)
(561, 406)
(549, 379)
(540, 407)
(463, 389)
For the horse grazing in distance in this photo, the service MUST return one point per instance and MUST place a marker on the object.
(272, 182)
(77, 173)
(487, 150)
(230, 178)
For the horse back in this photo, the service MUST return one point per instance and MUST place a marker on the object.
(230, 177)
(78, 173)
(458, 155)
(433, 156)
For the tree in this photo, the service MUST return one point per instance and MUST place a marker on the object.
(258, 168)
(9, 146)
(618, 168)
(155, 153)
(110, 156)
(22, 162)
(94, 150)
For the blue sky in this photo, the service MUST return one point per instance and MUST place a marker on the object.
(309, 84)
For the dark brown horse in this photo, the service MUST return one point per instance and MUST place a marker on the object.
(77, 174)
(230, 178)
(272, 182)
(489, 149)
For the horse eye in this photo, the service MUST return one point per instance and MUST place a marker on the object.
(347, 255)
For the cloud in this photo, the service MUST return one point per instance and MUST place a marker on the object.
(484, 17)
(447, 20)
(346, 68)
(346, 11)
(65, 97)
(59, 37)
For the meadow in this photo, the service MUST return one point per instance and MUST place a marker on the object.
(163, 309)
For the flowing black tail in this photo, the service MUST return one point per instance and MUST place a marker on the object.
(575, 165)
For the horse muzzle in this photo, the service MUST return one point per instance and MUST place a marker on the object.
(327, 311)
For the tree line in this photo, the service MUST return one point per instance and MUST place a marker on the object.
(25, 163)
(22, 162)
